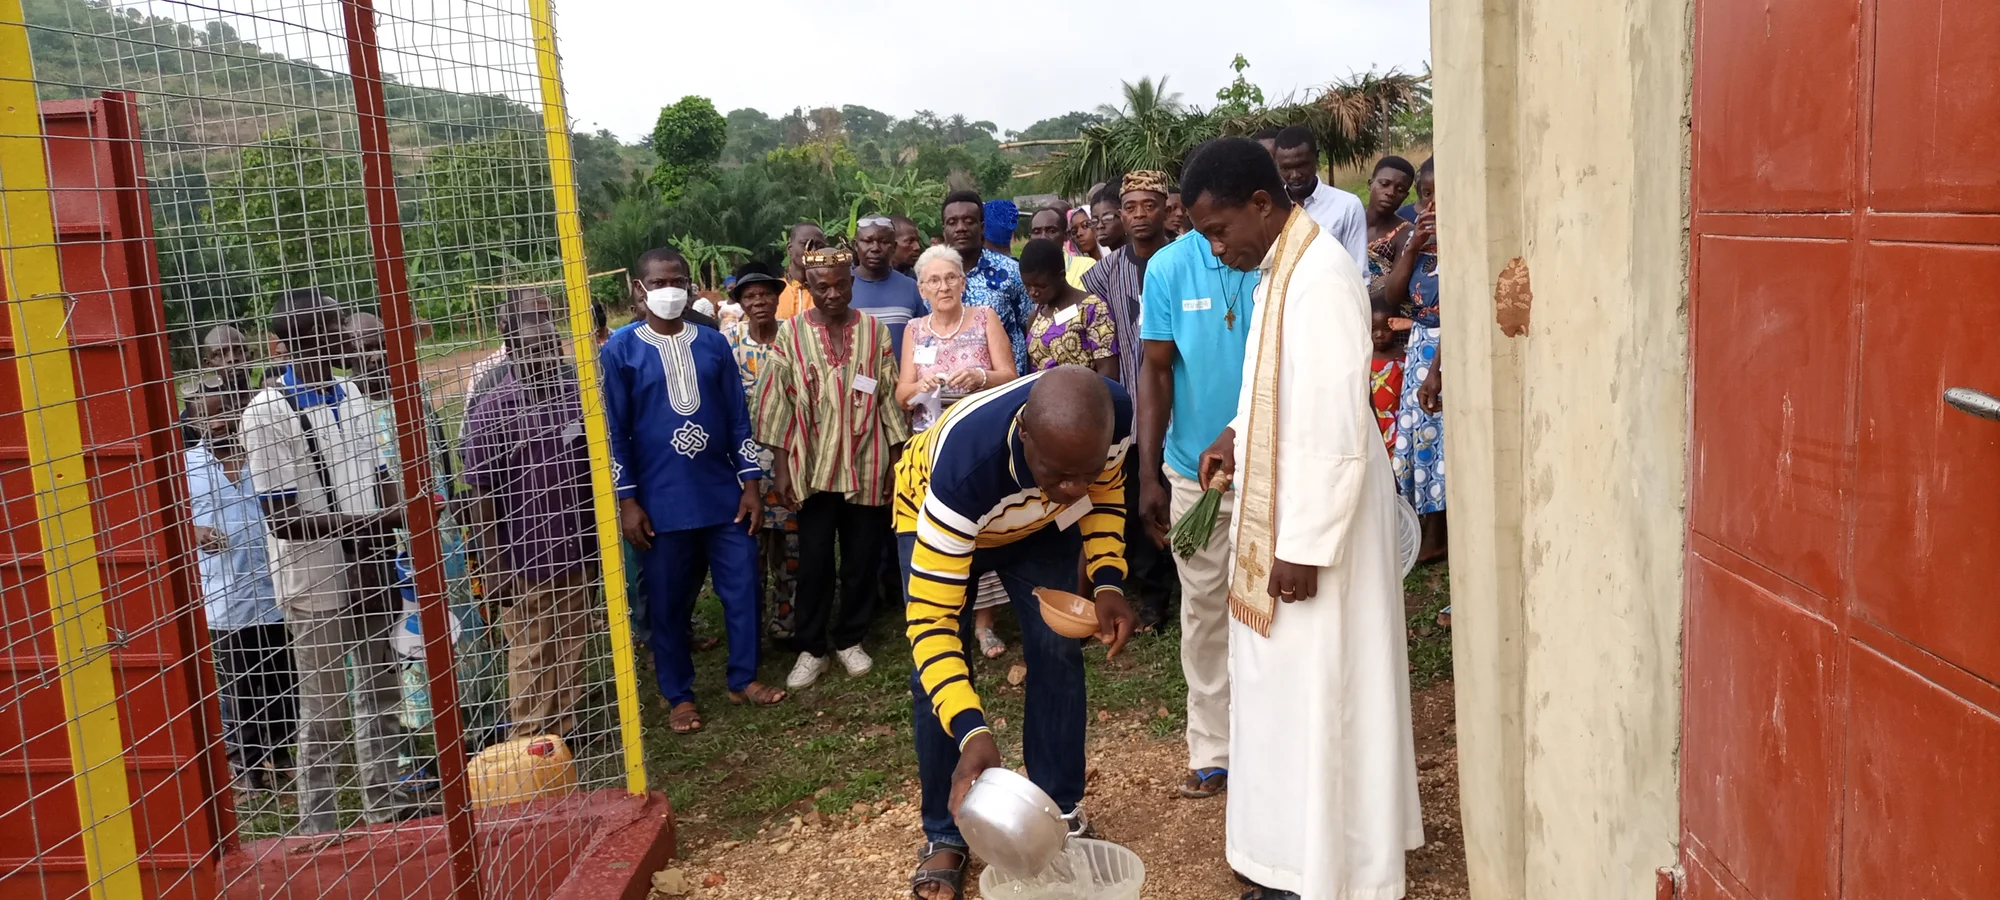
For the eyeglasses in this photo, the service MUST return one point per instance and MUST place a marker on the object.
(873, 221)
(943, 280)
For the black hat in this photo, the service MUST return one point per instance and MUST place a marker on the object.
(750, 273)
(743, 281)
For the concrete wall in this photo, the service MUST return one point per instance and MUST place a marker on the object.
(1561, 139)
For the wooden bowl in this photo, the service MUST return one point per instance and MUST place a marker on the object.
(1068, 614)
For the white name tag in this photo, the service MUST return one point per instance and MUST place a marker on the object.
(1197, 304)
(864, 384)
(1073, 512)
(924, 356)
(1069, 313)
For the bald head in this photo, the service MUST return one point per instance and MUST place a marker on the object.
(1067, 426)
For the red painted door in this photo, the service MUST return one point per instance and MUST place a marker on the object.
(124, 395)
(1841, 717)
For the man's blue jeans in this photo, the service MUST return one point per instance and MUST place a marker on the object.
(1052, 736)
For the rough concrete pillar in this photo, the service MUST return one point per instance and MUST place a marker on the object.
(1561, 141)
(1473, 51)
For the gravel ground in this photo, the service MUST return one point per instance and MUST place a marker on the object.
(867, 852)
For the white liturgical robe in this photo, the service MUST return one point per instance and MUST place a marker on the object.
(1323, 780)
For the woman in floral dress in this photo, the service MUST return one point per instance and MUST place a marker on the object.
(1069, 327)
(755, 292)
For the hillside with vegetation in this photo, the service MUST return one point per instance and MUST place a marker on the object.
(254, 175)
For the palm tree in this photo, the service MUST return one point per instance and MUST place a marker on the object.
(1142, 100)
(1351, 118)
(1152, 130)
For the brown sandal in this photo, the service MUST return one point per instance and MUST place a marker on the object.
(758, 694)
(684, 718)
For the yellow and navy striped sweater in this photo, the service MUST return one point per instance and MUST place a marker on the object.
(964, 484)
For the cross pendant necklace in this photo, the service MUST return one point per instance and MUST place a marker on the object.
(1229, 317)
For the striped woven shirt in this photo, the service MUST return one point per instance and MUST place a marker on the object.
(1120, 280)
(832, 408)
(964, 484)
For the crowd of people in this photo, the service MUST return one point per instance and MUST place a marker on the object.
(941, 426)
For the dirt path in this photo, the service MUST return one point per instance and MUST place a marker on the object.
(447, 375)
(867, 853)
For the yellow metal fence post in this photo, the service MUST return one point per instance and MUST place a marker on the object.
(576, 278)
(37, 310)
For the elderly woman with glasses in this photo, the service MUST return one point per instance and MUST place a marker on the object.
(954, 351)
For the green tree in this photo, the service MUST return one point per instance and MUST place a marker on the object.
(688, 139)
(289, 215)
(598, 163)
(485, 213)
(751, 134)
(865, 124)
(1151, 130)
(1240, 96)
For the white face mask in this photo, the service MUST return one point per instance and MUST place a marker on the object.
(667, 302)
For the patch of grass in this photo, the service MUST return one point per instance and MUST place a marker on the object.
(1426, 592)
(847, 740)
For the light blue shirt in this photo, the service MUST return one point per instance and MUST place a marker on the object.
(236, 582)
(1188, 299)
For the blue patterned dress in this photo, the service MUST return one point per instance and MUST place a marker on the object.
(996, 284)
(1419, 453)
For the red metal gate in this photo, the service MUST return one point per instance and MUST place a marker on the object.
(131, 454)
(1842, 649)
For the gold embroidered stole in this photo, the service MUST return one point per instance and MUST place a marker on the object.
(1257, 469)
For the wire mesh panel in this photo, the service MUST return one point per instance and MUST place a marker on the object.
(302, 587)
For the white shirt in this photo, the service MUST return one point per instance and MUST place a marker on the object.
(1342, 215)
(311, 576)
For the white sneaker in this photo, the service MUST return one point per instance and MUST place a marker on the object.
(808, 670)
(855, 660)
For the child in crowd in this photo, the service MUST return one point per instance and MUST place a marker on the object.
(1385, 372)
(253, 658)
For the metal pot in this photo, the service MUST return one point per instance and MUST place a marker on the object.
(1011, 823)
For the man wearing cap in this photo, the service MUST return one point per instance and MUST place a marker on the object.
(826, 405)
(879, 290)
(1120, 277)
(1119, 281)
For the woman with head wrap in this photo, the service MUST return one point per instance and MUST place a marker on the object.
(1002, 217)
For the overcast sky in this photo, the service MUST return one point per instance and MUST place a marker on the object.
(624, 59)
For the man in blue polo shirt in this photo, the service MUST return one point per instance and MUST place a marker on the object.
(1195, 325)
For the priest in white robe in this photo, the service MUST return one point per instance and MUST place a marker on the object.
(1323, 777)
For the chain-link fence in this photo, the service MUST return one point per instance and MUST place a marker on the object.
(304, 469)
